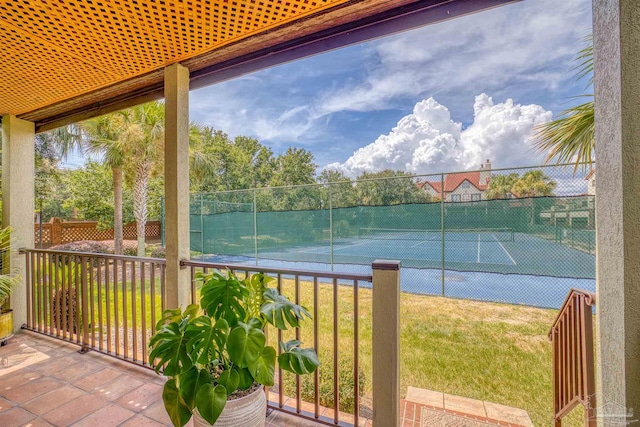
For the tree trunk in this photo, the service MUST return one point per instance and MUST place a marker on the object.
(140, 186)
(117, 211)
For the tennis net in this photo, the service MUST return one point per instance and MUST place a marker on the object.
(459, 235)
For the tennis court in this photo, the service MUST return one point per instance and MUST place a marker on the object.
(482, 246)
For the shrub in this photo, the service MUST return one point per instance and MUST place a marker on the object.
(159, 252)
(96, 247)
(64, 304)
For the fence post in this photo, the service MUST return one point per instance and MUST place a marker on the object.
(386, 343)
(442, 196)
(331, 225)
(255, 224)
(56, 231)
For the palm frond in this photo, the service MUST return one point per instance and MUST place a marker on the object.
(569, 138)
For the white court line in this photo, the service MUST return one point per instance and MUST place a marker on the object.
(505, 251)
(479, 248)
(431, 239)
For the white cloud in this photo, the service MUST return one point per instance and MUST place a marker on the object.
(429, 141)
(529, 42)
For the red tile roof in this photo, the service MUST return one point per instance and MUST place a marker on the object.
(453, 181)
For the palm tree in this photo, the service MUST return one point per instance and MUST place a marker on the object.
(570, 138)
(534, 184)
(101, 138)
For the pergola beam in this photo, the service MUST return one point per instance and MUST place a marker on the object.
(345, 25)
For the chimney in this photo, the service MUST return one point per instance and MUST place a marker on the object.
(485, 173)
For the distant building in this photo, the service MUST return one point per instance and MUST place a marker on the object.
(461, 187)
(591, 182)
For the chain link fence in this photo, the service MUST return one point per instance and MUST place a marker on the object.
(522, 236)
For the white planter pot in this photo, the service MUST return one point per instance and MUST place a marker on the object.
(248, 411)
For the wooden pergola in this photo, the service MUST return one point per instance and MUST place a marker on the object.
(64, 61)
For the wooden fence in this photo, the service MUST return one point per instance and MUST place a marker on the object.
(56, 232)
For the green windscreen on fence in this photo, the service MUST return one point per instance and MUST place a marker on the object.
(544, 228)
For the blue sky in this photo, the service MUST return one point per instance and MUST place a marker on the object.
(338, 102)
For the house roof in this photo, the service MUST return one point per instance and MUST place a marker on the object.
(67, 60)
(454, 180)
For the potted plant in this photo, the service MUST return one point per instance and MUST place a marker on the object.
(218, 361)
(8, 282)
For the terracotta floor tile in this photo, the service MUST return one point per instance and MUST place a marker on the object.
(141, 398)
(97, 379)
(508, 413)
(464, 405)
(79, 370)
(17, 379)
(157, 413)
(5, 404)
(75, 410)
(108, 416)
(15, 417)
(118, 387)
(140, 421)
(49, 401)
(37, 422)
(425, 397)
(30, 390)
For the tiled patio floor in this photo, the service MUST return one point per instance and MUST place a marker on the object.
(45, 382)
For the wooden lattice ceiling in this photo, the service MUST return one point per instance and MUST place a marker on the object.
(53, 50)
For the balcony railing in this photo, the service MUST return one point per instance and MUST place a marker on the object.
(573, 365)
(339, 286)
(102, 302)
(110, 304)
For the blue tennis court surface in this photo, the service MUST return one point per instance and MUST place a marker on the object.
(515, 268)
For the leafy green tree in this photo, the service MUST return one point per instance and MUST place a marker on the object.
(534, 184)
(389, 187)
(570, 138)
(501, 185)
(101, 139)
(296, 168)
(342, 190)
(91, 193)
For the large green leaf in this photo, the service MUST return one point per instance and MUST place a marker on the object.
(210, 402)
(263, 369)
(246, 379)
(177, 315)
(170, 346)
(298, 360)
(205, 341)
(245, 344)
(190, 382)
(178, 411)
(223, 297)
(256, 284)
(277, 308)
(230, 379)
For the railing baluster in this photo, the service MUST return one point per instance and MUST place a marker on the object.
(91, 269)
(336, 372)
(84, 304)
(29, 279)
(58, 286)
(34, 291)
(356, 355)
(107, 295)
(64, 303)
(50, 276)
(143, 303)
(39, 305)
(125, 330)
(280, 380)
(153, 295)
(76, 280)
(316, 347)
(99, 280)
(297, 301)
(134, 304)
(116, 322)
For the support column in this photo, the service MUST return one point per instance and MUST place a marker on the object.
(18, 171)
(386, 343)
(176, 184)
(617, 100)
